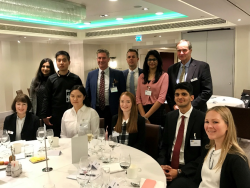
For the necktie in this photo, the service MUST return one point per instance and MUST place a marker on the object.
(102, 92)
(177, 146)
(132, 83)
(182, 77)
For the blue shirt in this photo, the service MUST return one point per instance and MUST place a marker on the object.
(180, 70)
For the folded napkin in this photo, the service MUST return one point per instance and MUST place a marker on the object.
(150, 183)
(54, 152)
(114, 167)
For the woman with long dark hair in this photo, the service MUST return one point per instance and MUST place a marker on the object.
(37, 86)
(81, 111)
(152, 89)
(129, 125)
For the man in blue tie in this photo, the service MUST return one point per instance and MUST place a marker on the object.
(131, 75)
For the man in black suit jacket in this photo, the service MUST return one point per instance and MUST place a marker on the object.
(196, 72)
(132, 60)
(192, 142)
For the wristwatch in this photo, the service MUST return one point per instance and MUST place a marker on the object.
(179, 172)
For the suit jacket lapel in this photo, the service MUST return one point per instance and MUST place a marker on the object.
(95, 80)
(191, 70)
(190, 125)
(126, 74)
(175, 71)
(111, 79)
(172, 129)
(13, 126)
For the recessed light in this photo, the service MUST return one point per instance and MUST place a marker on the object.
(145, 8)
(239, 20)
(24, 37)
(49, 39)
(159, 13)
(19, 41)
(112, 0)
(103, 15)
(159, 35)
(86, 23)
(119, 19)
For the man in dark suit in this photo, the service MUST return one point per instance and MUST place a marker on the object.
(131, 75)
(184, 136)
(190, 70)
(104, 87)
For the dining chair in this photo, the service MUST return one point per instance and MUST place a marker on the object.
(242, 121)
(152, 139)
(19, 92)
(102, 123)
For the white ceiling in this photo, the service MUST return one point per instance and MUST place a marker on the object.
(194, 9)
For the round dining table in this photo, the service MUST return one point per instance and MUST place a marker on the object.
(33, 176)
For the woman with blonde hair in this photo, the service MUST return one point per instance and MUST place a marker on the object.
(129, 125)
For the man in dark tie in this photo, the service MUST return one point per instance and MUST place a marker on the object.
(184, 136)
(104, 87)
(131, 75)
(190, 70)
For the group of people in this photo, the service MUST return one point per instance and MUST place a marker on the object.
(199, 146)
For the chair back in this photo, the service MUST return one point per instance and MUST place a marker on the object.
(102, 123)
(19, 92)
(246, 91)
(152, 139)
(242, 121)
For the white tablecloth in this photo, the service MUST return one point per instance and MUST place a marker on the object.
(33, 177)
(217, 100)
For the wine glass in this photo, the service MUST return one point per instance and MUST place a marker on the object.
(40, 135)
(50, 135)
(82, 178)
(4, 136)
(6, 143)
(112, 143)
(125, 162)
(101, 134)
(85, 164)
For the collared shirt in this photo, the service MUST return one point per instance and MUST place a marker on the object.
(19, 127)
(71, 121)
(186, 120)
(136, 76)
(180, 70)
(106, 79)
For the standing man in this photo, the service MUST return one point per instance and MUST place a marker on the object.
(132, 74)
(184, 137)
(57, 89)
(104, 87)
(190, 70)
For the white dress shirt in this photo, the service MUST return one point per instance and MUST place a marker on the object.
(136, 75)
(71, 121)
(106, 80)
(19, 127)
(186, 120)
(211, 177)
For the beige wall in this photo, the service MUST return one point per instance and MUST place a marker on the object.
(242, 60)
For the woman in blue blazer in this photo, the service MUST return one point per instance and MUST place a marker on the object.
(22, 124)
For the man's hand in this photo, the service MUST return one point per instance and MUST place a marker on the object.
(172, 174)
(46, 121)
(175, 107)
(166, 169)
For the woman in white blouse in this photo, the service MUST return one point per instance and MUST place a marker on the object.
(81, 111)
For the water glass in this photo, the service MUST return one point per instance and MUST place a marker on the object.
(82, 178)
(106, 156)
(101, 134)
(40, 135)
(106, 175)
(29, 150)
(50, 135)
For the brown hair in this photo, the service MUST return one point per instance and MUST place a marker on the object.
(132, 122)
(21, 98)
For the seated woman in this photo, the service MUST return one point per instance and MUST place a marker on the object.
(128, 123)
(21, 125)
(225, 164)
(80, 111)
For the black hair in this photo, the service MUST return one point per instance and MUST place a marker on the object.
(21, 98)
(40, 76)
(159, 70)
(133, 50)
(63, 53)
(81, 88)
(184, 85)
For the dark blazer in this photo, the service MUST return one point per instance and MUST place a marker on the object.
(202, 87)
(136, 140)
(191, 154)
(235, 172)
(125, 73)
(91, 88)
(30, 126)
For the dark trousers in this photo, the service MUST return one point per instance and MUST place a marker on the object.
(106, 114)
(56, 121)
(157, 117)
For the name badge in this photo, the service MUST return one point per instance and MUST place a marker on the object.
(195, 142)
(147, 92)
(194, 79)
(113, 89)
(10, 132)
(114, 133)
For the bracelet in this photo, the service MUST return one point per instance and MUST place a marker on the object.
(145, 118)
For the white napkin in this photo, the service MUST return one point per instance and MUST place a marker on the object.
(114, 167)
(159, 184)
(54, 152)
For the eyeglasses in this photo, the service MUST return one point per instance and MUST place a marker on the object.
(152, 60)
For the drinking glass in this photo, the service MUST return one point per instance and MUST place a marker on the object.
(3, 136)
(125, 161)
(112, 143)
(101, 134)
(40, 135)
(85, 164)
(90, 136)
(82, 179)
(50, 135)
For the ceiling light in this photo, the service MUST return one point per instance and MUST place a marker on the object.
(49, 39)
(103, 15)
(145, 8)
(159, 13)
(19, 41)
(86, 23)
(159, 35)
(24, 37)
(239, 20)
(119, 19)
(112, 0)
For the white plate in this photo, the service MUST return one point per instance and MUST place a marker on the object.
(2, 167)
